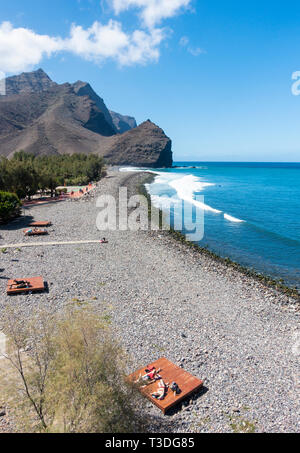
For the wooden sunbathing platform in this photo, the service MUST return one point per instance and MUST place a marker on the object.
(36, 233)
(187, 383)
(35, 284)
(40, 224)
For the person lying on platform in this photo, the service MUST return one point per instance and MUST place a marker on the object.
(31, 231)
(20, 284)
(162, 390)
(150, 376)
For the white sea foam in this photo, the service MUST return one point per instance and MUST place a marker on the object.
(187, 186)
(233, 219)
(130, 169)
(164, 202)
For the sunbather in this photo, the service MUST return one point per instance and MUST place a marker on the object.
(35, 230)
(162, 390)
(19, 284)
(150, 376)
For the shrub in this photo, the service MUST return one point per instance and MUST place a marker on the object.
(9, 206)
(71, 377)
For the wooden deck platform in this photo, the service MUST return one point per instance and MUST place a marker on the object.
(40, 224)
(35, 284)
(187, 383)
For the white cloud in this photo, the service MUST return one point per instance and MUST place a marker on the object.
(99, 41)
(110, 41)
(143, 47)
(153, 11)
(21, 48)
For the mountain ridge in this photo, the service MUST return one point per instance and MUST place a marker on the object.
(40, 116)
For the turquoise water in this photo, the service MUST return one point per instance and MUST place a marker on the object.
(252, 211)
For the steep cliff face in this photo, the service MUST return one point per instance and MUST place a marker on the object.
(123, 123)
(42, 117)
(85, 89)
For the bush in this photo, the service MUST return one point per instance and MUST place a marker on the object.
(71, 379)
(9, 206)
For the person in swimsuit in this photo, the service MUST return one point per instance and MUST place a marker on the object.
(150, 376)
(19, 284)
(162, 390)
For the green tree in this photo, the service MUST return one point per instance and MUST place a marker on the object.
(25, 173)
(48, 181)
(24, 179)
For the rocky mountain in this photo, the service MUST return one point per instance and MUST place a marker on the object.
(28, 82)
(147, 144)
(40, 116)
(123, 123)
(85, 89)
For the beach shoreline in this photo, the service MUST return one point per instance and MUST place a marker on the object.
(258, 231)
(166, 299)
(265, 279)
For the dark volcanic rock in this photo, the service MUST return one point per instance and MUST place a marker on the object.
(85, 89)
(123, 123)
(42, 117)
(28, 82)
(145, 146)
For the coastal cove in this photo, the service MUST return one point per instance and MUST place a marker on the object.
(220, 325)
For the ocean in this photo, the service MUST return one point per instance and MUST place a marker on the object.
(251, 211)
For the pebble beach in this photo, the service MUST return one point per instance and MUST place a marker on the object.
(165, 299)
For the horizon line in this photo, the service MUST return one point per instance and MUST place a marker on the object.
(238, 161)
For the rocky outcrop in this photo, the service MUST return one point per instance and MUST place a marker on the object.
(28, 82)
(123, 123)
(42, 117)
(145, 146)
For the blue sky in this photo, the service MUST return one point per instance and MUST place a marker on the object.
(215, 75)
